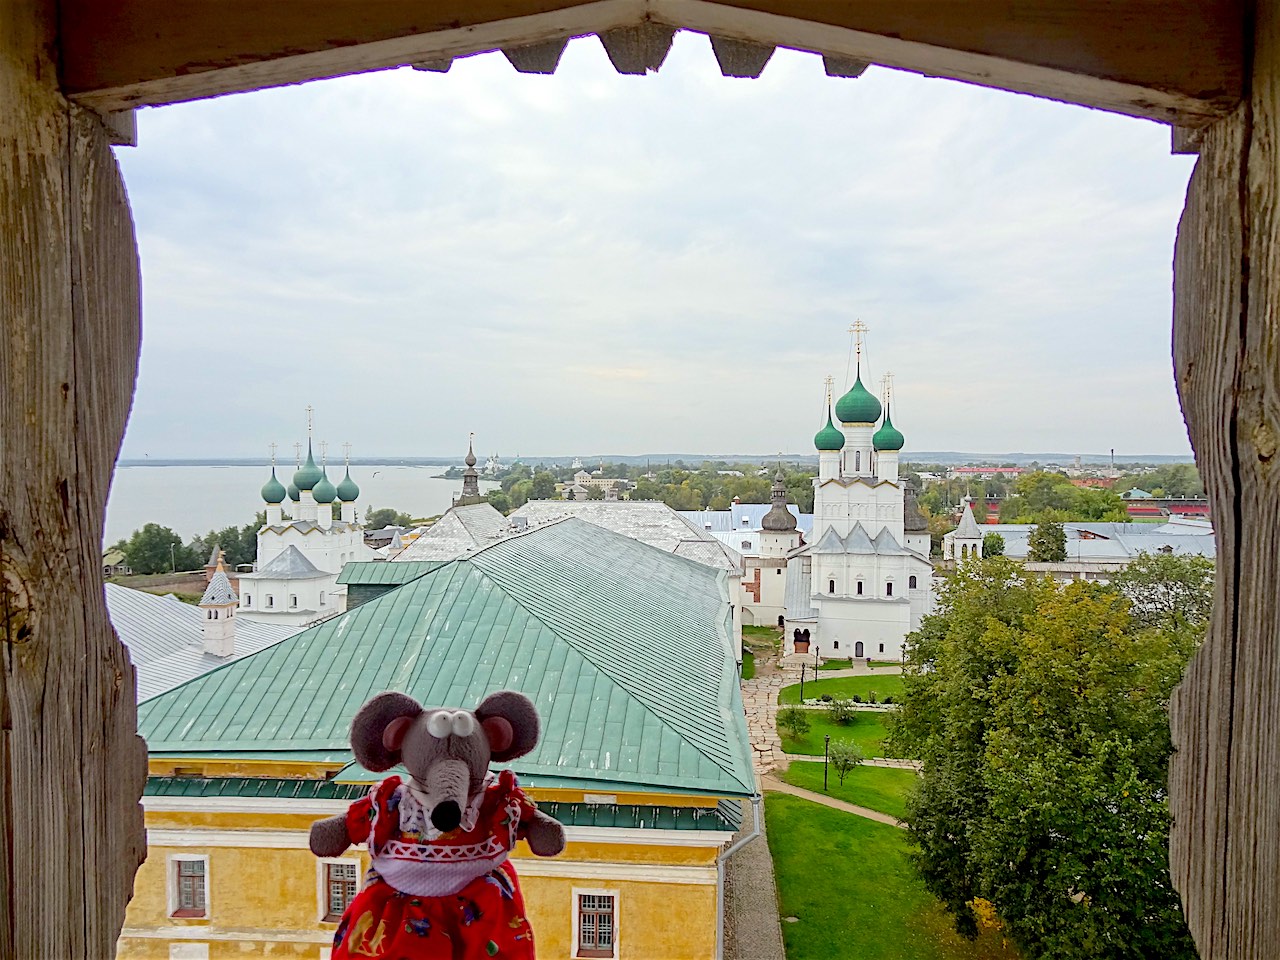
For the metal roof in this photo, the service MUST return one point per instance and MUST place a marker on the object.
(165, 638)
(288, 564)
(968, 528)
(649, 521)
(385, 574)
(742, 517)
(218, 592)
(798, 593)
(725, 816)
(458, 531)
(624, 648)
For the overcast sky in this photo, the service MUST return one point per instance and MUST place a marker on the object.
(590, 263)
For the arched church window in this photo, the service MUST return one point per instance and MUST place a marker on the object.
(831, 586)
(911, 583)
(248, 600)
(888, 589)
(857, 460)
(859, 588)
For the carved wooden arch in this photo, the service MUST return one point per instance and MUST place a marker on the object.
(71, 767)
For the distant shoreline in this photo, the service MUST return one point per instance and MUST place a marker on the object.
(660, 459)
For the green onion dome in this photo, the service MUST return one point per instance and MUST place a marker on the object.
(308, 474)
(294, 494)
(858, 405)
(888, 437)
(273, 490)
(829, 437)
(324, 491)
(348, 492)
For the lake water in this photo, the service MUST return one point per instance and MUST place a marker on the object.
(195, 500)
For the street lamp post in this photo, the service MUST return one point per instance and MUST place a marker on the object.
(802, 683)
(173, 564)
(826, 749)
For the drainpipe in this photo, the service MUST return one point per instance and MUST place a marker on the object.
(720, 863)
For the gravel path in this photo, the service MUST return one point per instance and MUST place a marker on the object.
(770, 783)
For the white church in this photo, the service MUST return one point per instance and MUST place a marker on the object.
(863, 581)
(303, 547)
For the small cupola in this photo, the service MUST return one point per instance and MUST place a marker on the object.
(218, 605)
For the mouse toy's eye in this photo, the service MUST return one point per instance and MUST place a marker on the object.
(464, 724)
(439, 725)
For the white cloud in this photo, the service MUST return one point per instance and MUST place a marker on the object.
(593, 262)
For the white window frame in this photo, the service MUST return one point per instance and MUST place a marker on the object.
(171, 883)
(575, 905)
(322, 883)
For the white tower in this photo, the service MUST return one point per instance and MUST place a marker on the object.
(219, 603)
(964, 541)
(888, 440)
(778, 533)
(858, 412)
(829, 441)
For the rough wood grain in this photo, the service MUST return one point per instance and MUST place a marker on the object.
(1173, 60)
(1225, 718)
(741, 58)
(71, 764)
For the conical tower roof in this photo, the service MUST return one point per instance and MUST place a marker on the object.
(968, 529)
(779, 519)
(308, 474)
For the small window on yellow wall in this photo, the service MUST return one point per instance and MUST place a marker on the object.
(341, 880)
(187, 895)
(596, 922)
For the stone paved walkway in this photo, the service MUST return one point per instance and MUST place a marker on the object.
(772, 783)
(760, 701)
(869, 762)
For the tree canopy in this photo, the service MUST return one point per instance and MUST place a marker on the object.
(1052, 496)
(1047, 543)
(1040, 714)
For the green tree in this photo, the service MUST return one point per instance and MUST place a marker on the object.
(992, 545)
(793, 721)
(844, 755)
(386, 517)
(157, 549)
(543, 486)
(1047, 543)
(1039, 713)
(1167, 590)
(499, 500)
(595, 493)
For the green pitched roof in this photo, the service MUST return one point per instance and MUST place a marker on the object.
(623, 647)
(382, 573)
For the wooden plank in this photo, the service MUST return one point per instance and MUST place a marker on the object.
(1225, 776)
(72, 767)
(741, 58)
(638, 49)
(1171, 60)
(537, 57)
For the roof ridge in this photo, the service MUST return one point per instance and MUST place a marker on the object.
(722, 578)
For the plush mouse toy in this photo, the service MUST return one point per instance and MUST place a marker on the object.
(440, 885)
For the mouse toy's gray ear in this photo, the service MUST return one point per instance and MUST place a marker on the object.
(510, 720)
(379, 728)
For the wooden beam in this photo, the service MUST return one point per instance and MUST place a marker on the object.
(1224, 778)
(1178, 61)
(72, 766)
(741, 58)
(638, 49)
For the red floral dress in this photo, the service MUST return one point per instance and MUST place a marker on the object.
(433, 895)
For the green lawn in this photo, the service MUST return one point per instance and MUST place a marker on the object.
(854, 893)
(843, 688)
(748, 664)
(877, 788)
(768, 633)
(846, 663)
(867, 731)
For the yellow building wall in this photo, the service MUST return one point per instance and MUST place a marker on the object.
(264, 901)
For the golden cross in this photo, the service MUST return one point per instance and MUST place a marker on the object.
(346, 453)
(858, 328)
(888, 386)
(324, 450)
(829, 381)
(273, 454)
(297, 454)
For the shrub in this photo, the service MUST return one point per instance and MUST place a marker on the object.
(871, 696)
(840, 711)
(793, 721)
(844, 755)
(888, 700)
(825, 698)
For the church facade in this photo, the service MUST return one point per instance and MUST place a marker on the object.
(864, 580)
(303, 547)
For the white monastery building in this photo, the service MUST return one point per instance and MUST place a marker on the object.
(863, 581)
(303, 547)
